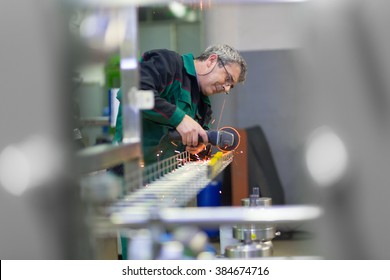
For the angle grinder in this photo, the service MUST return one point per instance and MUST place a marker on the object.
(226, 138)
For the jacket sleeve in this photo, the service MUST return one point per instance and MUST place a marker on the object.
(158, 71)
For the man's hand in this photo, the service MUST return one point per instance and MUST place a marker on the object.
(190, 130)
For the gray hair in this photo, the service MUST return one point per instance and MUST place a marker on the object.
(228, 55)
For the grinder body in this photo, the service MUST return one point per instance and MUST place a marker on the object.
(226, 138)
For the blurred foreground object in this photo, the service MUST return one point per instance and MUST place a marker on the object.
(39, 202)
(345, 119)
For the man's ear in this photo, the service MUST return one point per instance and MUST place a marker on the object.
(212, 59)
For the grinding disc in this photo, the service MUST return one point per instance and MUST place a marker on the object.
(236, 142)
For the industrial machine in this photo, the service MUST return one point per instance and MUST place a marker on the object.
(255, 240)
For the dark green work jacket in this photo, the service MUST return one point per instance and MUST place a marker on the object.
(173, 80)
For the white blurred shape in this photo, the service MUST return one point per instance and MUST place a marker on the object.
(128, 63)
(191, 16)
(178, 9)
(29, 164)
(93, 25)
(103, 31)
(15, 170)
(140, 246)
(326, 156)
(100, 187)
(115, 33)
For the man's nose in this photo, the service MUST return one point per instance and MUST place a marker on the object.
(226, 88)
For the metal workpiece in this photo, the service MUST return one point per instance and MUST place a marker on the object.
(105, 156)
(128, 217)
(171, 182)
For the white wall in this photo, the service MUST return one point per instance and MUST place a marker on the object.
(268, 36)
(255, 26)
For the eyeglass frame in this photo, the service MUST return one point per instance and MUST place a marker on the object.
(229, 79)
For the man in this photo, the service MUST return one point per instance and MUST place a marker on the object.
(182, 86)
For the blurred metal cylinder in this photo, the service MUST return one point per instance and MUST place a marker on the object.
(259, 201)
(247, 251)
(255, 240)
(257, 233)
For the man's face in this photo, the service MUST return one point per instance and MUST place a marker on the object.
(222, 77)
